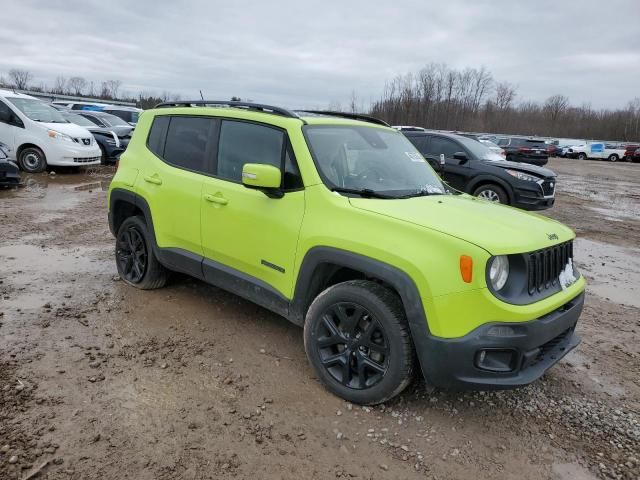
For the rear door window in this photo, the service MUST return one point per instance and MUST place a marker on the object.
(184, 142)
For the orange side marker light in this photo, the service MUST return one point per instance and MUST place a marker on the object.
(466, 268)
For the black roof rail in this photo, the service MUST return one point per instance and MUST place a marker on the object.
(222, 103)
(352, 116)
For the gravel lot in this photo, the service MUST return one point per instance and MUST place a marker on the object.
(102, 381)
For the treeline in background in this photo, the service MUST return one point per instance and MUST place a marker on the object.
(436, 97)
(443, 98)
(81, 87)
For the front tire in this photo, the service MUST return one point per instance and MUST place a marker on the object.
(582, 156)
(613, 157)
(492, 193)
(358, 342)
(32, 160)
(137, 264)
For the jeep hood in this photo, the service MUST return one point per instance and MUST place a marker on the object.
(496, 228)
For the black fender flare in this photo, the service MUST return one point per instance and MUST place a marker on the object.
(480, 179)
(393, 276)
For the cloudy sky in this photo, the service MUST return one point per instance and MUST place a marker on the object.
(317, 52)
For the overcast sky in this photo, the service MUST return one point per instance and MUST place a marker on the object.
(316, 52)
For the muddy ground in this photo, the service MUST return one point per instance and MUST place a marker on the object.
(102, 381)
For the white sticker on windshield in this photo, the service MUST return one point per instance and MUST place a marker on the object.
(415, 156)
(432, 189)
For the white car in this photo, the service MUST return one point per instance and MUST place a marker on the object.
(597, 150)
(39, 136)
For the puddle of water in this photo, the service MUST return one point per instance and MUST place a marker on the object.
(570, 471)
(36, 275)
(57, 192)
(613, 272)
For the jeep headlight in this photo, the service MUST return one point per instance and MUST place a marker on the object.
(523, 176)
(498, 271)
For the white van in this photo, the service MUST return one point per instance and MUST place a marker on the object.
(39, 135)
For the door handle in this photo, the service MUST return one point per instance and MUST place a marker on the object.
(215, 199)
(153, 179)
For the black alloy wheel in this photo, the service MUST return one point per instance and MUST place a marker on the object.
(352, 345)
(131, 254)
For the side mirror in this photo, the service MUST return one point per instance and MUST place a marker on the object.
(266, 178)
(460, 156)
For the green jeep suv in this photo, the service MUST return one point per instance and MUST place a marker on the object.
(336, 222)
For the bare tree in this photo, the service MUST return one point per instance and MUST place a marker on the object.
(59, 85)
(20, 78)
(505, 95)
(555, 106)
(113, 86)
(77, 85)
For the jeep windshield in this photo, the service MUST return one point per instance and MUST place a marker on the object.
(370, 162)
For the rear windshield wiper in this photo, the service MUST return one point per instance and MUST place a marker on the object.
(364, 192)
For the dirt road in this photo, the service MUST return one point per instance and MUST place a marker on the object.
(102, 381)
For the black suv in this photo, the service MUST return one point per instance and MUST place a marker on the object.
(112, 140)
(471, 167)
(527, 150)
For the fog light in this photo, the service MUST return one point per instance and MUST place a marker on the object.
(497, 360)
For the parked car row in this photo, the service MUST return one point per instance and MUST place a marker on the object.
(128, 114)
(37, 135)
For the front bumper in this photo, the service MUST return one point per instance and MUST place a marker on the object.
(59, 154)
(535, 347)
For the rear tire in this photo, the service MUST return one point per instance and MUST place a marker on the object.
(32, 160)
(136, 262)
(492, 193)
(358, 342)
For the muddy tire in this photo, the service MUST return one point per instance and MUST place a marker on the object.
(358, 342)
(136, 262)
(492, 193)
(32, 160)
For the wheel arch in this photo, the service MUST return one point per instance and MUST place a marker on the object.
(29, 145)
(326, 266)
(481, 180)
(123, 204)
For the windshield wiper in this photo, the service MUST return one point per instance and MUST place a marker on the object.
(364, 192)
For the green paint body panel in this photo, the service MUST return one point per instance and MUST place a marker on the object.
(422, 236)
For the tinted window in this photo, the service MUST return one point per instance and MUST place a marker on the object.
(5, 112)
(94, 120)
(439, 145)
(292, 178)
(420, 142)
(242, 142)
(189, 143)
(157, 135)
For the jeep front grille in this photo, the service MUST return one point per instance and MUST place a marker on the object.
(544, 266)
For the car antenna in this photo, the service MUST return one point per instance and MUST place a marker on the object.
(201, 97)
